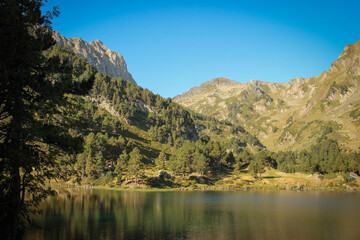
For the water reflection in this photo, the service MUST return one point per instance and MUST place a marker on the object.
(101, 214)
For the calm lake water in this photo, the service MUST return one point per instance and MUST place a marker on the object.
(107, 214)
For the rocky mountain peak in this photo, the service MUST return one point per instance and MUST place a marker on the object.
(351, 48)
(349, 59)
(289, 115)
(256, 83)
(98, 55)
(97, 41)
(255, 86)
(221, 80)
(99, 44)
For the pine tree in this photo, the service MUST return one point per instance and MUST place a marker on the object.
(99, 163)
(122, 162)
(160, 162)
(32, 89)
(257, 167)
(89, 164)
(134, 165)
(177, 164)
(200, 163)
(81, 162)
(246, 156)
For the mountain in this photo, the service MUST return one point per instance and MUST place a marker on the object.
(130, 134)
(98, 55)
(136, 132)
(293, 115)
(120, 121)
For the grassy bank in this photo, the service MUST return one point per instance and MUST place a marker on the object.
(271, 179)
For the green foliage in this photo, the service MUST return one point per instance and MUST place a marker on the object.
(135, 164)
(200, 163)
(160, 162)
(83, 74)
(164, 120)
(235, 129)
(257, 167)
(199, 157)
(36, 113)
(264, 156)
(324, 157)
(355, 114)
(122, 163)
(181, 161)
(245, 157)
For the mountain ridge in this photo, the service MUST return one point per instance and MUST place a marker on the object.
(288, 116)
(98, 55)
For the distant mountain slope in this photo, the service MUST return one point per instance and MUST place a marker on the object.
(98, 55)
(290, 115)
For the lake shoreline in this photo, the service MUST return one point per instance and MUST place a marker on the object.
(203, 189)
(271, 180)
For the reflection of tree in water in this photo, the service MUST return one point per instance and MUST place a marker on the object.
(102, 214)
(97, 214)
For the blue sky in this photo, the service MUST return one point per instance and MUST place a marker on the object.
(171, 46)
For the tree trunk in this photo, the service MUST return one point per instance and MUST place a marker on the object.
(12, 212)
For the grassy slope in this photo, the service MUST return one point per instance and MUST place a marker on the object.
(290, 116)
(271, 179)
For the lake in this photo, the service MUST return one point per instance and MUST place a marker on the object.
(110, 214)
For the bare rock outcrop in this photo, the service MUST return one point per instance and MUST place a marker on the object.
(98, 55)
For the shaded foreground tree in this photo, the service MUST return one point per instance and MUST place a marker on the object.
(33, 109)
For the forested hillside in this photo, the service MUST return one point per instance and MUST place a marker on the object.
(130, 133)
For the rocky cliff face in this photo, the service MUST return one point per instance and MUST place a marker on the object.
(289, 115)
(98, 55)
